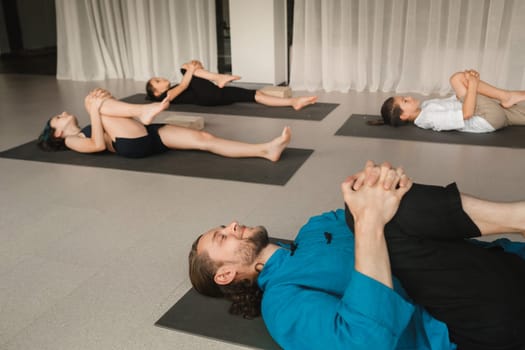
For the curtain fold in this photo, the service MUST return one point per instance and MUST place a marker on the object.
(406, 45)
(136, 39)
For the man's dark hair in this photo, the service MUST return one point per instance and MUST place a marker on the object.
(245, 295)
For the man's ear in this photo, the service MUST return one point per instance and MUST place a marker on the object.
(57, 134)
(225, 275)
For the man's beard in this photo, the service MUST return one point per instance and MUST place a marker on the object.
(253, 246)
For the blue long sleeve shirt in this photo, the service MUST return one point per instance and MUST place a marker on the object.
(315, 299)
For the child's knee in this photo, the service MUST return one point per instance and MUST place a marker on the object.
(457, 77)
(459, 84)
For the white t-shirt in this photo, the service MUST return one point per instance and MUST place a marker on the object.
(447, 114)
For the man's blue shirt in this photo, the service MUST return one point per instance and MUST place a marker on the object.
(315, 299)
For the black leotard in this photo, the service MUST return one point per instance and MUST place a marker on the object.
(137, 147)
(204, 93)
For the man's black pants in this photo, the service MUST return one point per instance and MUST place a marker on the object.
(478, 292)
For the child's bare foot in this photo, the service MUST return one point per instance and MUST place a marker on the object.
(151, 110)
(278, 144)
(224, 79)
(300, 102)
(513, 98)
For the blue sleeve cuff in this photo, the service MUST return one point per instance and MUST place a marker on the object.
(377, 302)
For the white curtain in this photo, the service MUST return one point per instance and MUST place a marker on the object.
(406, 45)
(137, 39)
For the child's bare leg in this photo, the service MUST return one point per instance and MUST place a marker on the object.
(495, 217)
(515, 96)
(144, 112)
(276, 147)
(296, 102)
(507, 98)
(183, 138)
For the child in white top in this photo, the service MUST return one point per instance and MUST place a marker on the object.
(476, 107)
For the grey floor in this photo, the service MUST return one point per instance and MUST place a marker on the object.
(90, 258)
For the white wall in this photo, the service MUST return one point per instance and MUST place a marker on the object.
(258, 40)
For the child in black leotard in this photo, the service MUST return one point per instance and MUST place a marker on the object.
(125, 129)
(204, 88)
(138, 147)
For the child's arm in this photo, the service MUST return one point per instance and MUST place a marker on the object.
(184, 83)
(97, 142)
(469, 103)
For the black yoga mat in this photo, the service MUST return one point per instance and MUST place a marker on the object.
(186, 163)
(209, 317)
(315, 112)
(356, 125)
